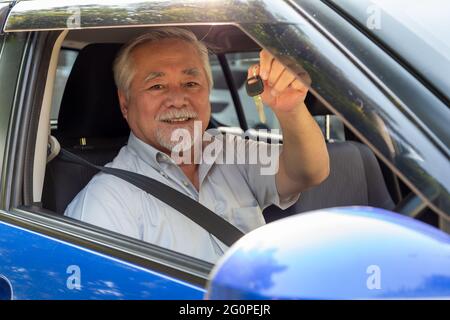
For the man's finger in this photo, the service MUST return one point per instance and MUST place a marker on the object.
(253, 70)
(298, 85)
(286, 78)
(275, 72)
(265, 64)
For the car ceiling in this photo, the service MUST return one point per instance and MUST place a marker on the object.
(219, 38)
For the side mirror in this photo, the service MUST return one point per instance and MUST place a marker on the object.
(338, 253)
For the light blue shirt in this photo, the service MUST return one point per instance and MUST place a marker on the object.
(236, 192)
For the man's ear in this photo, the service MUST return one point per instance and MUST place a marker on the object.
(123, 104)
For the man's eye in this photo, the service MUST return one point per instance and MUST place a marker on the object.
(156, 87)
(192, 84)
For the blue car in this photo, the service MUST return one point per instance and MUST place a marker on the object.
(377, 228)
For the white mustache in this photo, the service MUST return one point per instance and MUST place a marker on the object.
(177, 114)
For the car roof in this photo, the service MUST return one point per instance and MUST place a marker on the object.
(34, 15)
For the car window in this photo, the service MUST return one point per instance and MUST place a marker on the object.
(65, 63)
(423, 25)
(418, 156)
(222, 105)
(332, 127)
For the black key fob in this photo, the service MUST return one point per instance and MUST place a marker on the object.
(254, 86)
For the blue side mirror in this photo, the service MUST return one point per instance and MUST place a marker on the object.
(339, 253)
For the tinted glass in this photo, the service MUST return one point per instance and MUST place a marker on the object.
(416, 30)
(222, 106)
(65, 63)
(378, 118)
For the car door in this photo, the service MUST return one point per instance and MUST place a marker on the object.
(42, 257)
(38, 259)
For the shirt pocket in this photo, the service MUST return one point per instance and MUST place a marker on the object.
(247, 219)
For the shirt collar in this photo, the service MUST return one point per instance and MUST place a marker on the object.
(147, 152)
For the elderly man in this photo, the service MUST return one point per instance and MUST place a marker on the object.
(164, 80)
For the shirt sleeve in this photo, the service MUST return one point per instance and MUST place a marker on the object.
(102, 203)
(260, 168)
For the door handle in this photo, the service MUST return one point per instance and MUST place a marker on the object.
(6, 291)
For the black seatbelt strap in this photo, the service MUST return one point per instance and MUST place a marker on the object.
(201, 215)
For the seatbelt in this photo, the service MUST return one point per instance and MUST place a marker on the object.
(198, 213)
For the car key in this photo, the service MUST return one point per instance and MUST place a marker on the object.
(255, 87)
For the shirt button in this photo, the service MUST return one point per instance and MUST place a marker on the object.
(186, 184)
(163, 158)
(166, 159)
(163, 174)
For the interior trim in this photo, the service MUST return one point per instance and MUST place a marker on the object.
(40, 158)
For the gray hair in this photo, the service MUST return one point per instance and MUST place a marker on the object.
(123, 66)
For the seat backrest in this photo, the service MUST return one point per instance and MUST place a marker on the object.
(90, 124)
(90, 105)
(355, 179)
(64, 180)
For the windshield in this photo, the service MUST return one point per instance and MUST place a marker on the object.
(418, 31)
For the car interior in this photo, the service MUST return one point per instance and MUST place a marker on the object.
(89, 124)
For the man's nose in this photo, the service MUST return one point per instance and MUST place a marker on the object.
(177, 97)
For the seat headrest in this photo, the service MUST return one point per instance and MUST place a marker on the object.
(90, 106)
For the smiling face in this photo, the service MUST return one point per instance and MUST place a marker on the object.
(169, 91)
